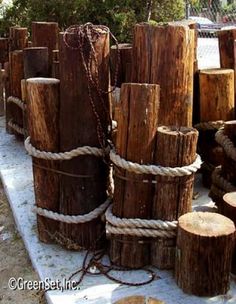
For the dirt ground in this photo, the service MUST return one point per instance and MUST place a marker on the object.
(14, 260)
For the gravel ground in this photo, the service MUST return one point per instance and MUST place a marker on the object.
(14, 260)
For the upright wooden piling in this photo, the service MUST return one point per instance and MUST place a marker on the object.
(4, 51)
(175, 147)
(173, 71)
(2, 106)
(79, 127)
(18, 38)
(55, 64)
(124, 64)
(43, 124)
(13, 112)
(205, 244)
(132, 197)
(45, 34)
(36, 62)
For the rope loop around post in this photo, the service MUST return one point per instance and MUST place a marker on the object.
(209, 125)
(17, 101)
(118, 161)
(224, 141)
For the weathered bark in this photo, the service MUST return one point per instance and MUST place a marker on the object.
(36, 62)
(43, 124)
(229, 210)
(4, 57)
(78, 127)
(226, 48)
(175, 147)
(45, 34)
(18, 38)
(132, 197)
(16, 74)
(171, 67)
(2, 92)
(205, 244)
(123, 69)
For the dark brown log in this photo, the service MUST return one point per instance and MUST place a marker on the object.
(24, 98)
(78, 127)
(16, 74)
(229, 210)
(18, 38)
(228, 164)
(226, 47)
(171, 67)
(122, 76)
(4, 57)
(2, 106)
(36, 62)
(7, 93)
(132, 197)
(46, 34)
(205, 244)
(176, 147)
(55, 64)
(43, 124)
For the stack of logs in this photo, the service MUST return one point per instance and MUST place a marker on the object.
(154, 158)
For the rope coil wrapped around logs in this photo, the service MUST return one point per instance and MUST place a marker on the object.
(210, 125)
(225, 142)
(143, 227)
(17, 101)
(70, 219)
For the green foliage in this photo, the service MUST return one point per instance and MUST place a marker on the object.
(119, 16)
(168, 10)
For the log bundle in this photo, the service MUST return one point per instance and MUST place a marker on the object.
(173, 71)
(216, 104)
(205, 244)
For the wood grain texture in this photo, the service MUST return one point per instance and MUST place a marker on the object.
(135, 142)
(175, 147)
(16, 73)
(205, 244)
(78, 127)
(36, 62)
(46, 34)
(18, 38)
(4, 50)
(55, 64)
(43, 127)
(171, 67)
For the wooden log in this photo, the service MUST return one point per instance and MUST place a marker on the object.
(43, 124)
(228, 164)
(229, 210)
(16, 74)
(7, 94)
(216, 103)
(24, 98)
(78, 127)
(176, 147)
(132, 197)
(4, 52)
(2, 106)
(36, 62)
(226, 47)
(18, 38)
(205, 244)
(125, 50)
(55, 64)
(45, 34)
(139, 300)
(173, 71)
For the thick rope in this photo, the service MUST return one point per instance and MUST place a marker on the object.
(16, 127)
(219, 181)
(140, 232)
(86, 150)
(226, 144)
(73, 219)
(138, 223)
(210, 125)
(17, 101)
(155, 170)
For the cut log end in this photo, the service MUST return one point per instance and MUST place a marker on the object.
(41, 80)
